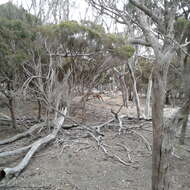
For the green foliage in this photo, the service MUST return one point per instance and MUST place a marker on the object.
(70, 27)
(15, 37)
(95, 27)
(144, 72)
(182, 26)
(112, 40)
(86, 36)
(117, 45)
(79, 35)
(70, 37)
(124, 52)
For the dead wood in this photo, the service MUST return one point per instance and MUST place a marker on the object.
(3, 116)
(22, 135)
(67, 127)
(148, 146)
(99, 127)
(127, 150)
(109, 154)
(15, 152)
(9, 172)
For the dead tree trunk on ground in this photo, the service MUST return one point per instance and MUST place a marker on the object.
(9, 172)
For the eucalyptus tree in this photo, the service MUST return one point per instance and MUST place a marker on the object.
(12, 12)
(156, 21)
(83, 51)
(15, 37)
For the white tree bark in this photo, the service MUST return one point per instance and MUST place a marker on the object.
(120, 77)
(8, 172)
(136, 96)
(148, 96)
(22, 135)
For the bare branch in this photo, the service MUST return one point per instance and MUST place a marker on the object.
(35, 146)
(139, 42)
(22, 135)
(146, 10)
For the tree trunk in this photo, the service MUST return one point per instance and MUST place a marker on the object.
(11, 106)
(167, 99)
(130, 94)
(12, 111)
(184, 128)
(125, 94)
(186, 82)
(39, 109)
(148, 96)
(161, 133)
(137, 101)
(124, 90)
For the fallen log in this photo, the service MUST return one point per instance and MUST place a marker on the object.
(15, 171)
(22, 135)
(15, 152)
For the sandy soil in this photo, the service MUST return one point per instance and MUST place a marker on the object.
(77, 163)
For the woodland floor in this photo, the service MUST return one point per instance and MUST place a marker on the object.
(77, 163)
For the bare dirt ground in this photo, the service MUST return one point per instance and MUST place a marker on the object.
(76, 162)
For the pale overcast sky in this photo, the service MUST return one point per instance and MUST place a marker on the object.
(3, 1)
(77, 12)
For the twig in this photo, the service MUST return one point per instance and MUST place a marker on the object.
(102, 146)
(83, 148)
(148, 146)
(127, 150)
(23, 187)
(103, 125)
(119, 118)
(120, 125)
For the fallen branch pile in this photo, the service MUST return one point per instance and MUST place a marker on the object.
(95, 132)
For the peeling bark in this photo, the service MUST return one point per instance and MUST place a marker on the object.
(162, 133)
(157, 122)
